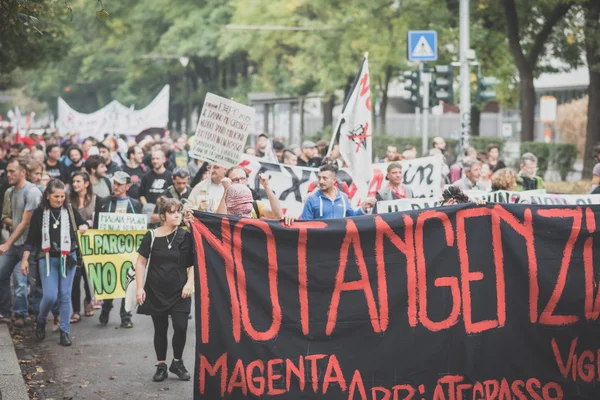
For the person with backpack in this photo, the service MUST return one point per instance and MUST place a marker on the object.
(164, 276)
(24, 198)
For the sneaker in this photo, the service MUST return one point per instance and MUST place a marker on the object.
(56, 324)
(161, 372)
(40, 331)
(178, 369)
(126, 323)
(97, 304)
(19, 322)
(104, 317)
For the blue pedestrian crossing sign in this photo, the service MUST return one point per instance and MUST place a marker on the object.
(422, 46)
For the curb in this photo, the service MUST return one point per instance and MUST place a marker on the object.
(12, 385)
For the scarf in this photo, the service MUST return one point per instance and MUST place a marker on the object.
(238, 200)
(65, 239)
(399, 193)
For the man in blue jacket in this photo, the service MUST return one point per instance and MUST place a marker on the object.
(328, 202)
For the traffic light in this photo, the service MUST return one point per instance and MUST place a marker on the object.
(412, 84)
(485, 89)
(441, 88)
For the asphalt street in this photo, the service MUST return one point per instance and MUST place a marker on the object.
(109, 362)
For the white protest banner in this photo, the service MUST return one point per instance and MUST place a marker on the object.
(122, 222)
(389, 206)
(115, 118)
(528, 197)
(291, 183)
(222, 130)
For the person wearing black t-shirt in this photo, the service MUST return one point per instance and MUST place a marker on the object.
(155, 182)
(136, 169)
(75, 155)
(54, 168)
(111, 167)
(308, 158)
(180, 190)
(168, 287)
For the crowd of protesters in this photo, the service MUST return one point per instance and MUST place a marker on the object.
(60, 185)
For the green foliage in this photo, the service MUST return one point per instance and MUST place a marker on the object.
(558, 156)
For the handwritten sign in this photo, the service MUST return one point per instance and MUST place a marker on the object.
(222, 130)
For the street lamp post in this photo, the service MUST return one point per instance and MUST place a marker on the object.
(184, 62)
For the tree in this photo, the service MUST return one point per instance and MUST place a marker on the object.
(31, 32)
(529, 26)
(592, 47)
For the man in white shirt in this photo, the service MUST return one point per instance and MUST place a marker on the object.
(471, 169)
(206, 195)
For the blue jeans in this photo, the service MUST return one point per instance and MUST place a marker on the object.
(36, 291)
(56, 287)
(10, 264)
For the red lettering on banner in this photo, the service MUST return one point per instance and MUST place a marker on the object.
(468, 276)
(525, 229)
(352, 238)
(238, 378)
(253, 380)
(405, 246)
(357, 385)
(532, 390)
(571, 360)
(547, 317)
(313, 358)
(505, 393)
(451, 282)
(224, 249)
(499, 264)
(491, 388)
(461, 388)
(333, 366)
(220, 365)
(586, 372)
(557, 389)
(592, 308)
(297, 371)
(364, 85)
(272, 376)
(517, 388)
(387, 395)
(409, 396)
(478, 389)
(241, 280)
(303, 271)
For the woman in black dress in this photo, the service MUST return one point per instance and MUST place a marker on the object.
(169, 284)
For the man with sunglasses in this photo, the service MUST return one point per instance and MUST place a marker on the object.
(527, 178)
(260, 209)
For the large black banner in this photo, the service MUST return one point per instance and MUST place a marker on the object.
(464, 302)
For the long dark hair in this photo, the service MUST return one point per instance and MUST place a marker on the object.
(74, 197)
(53, 186)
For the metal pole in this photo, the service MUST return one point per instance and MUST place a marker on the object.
(465, 84)
(425, 78)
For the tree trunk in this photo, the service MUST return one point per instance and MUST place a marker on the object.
(475, 120)
(527, 106)
(527, 63)
(328, 111)
(301, 119)
(385, 100)
(592, 47)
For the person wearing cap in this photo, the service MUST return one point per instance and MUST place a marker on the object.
(322, 147)
(119, 202)
(308, 157)
(394, 190)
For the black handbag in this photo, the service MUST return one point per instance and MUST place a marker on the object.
(77, 258)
